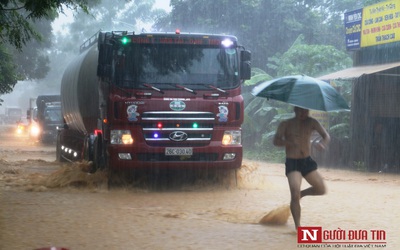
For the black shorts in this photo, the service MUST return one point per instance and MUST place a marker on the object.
(305, 165)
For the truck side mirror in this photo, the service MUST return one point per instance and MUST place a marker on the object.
(245, 70)
(245, 55)
(245, 64)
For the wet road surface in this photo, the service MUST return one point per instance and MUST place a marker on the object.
(43, 204)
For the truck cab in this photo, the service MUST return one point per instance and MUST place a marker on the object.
(163, 100)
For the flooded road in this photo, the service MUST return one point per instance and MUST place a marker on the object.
(44, 203)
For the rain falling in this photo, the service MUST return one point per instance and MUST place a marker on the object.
(162, 124)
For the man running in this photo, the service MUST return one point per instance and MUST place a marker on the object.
(295, 134)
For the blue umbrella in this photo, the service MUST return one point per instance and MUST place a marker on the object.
(302, 91)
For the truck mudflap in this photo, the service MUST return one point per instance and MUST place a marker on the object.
(99, 155)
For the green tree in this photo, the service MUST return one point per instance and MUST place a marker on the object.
(15, 17)
(24, 25)
(266, 27)
(7, 71)
(32, 59)
(312, 60)
(262, 115)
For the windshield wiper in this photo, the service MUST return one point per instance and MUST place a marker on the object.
(153, 88)
(210, 86)
(184, 88)
(216, 88)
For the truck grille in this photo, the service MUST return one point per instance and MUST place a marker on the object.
(177, 116)
(178, 128)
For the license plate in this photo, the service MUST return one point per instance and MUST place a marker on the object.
(178, 151)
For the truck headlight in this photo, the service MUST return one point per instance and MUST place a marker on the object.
(121, 137)
(233, 137)
(35, 130)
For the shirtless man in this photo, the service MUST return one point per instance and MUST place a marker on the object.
(294, 134)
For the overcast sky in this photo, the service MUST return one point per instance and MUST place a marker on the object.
(67, 17)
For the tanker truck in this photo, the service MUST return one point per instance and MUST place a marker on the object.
(154, 100)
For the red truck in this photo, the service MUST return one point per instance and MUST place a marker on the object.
(154, 100)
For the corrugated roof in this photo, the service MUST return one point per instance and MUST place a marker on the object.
(356, 72)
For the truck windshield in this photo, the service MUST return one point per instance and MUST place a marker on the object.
(166, 65)
(53, 115)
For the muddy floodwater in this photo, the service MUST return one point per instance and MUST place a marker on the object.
(47, 204)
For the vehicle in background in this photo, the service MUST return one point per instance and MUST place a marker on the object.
(33, 127)
(155, 100)
(45, 118)
(12, 115)
(22, 127)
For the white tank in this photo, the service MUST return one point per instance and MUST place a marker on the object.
(79, 92)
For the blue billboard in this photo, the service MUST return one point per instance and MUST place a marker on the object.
(352, 23)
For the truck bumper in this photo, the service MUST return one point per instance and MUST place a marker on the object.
(212, 156)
